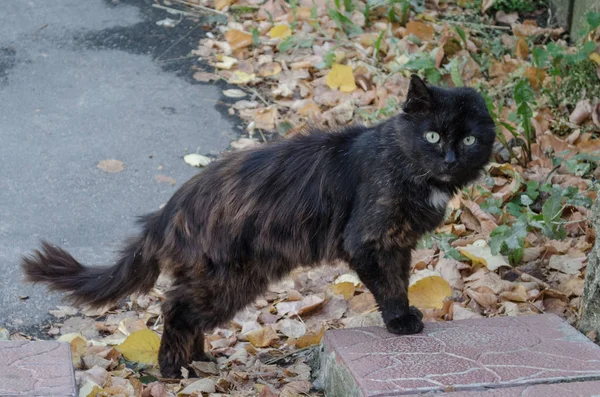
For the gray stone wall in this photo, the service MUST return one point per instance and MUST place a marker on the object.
(590, 316)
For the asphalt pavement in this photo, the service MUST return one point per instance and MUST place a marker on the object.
(81, 82)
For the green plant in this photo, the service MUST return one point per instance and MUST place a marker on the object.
(524, 97)
(518, 5)
(509, 239)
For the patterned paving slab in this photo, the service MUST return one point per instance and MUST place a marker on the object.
(574, 389)
(36, 369)
(457, 356)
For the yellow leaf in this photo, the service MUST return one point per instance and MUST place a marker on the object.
(427, 289)
(341, 77)
(310, 339)
(280, 32)
(345, 288)
(594, 56)
(238, 39)
(480, 252)
(262, 337)
(239, 77)
(141, 346)
(225, 62)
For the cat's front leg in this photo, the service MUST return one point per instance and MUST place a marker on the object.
(386, 273)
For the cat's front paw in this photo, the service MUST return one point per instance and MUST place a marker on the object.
(411, 323)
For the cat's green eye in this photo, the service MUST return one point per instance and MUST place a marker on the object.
(432, 137)
(469, 140)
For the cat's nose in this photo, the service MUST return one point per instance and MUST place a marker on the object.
(450, 158)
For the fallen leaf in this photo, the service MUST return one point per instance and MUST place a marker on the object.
(291, 328)
(263, 337)
(296, 388)
(111, 166)
(362, 303)
(582, 112)
(480, 253)
(238, 39)
(427, 289)
(141, 346)
(462, 313)
(220, 4)
(422, 30)
(346, 289)
(280, 31)
(449, 270)
(508, 19)
(78, 347)
(521, 49)
(566, 263)
(234, 93)
(239, 77)
(165, 179)
(197, 160)
(205, 385)
(310, 339)
(341, 77)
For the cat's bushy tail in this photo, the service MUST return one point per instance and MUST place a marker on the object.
(136, 271)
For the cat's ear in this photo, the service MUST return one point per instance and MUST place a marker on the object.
(418, 99)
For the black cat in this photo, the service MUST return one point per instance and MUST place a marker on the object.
(364, 195)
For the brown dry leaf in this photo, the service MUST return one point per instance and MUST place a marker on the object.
(154, 389)
(291, 328)
(195, 388)
(362, 303)
(485, 278)
(238, 39)
(111, 165)
(536, 77)
(263, 337)
(165, 179)
(205, 368)
(220, 4)
(475, 218)
(345, 288)
(422, 30)
(427, 289)
(567, 264)
(269, 69)
(296, 388)
(205, 77)
(518, 294)
(581, 113)
(521, 49)
(265, 118)
(508, 19)
(461, 313)
(78, 347)
(449, 270)
(484, 296)
(310, 339)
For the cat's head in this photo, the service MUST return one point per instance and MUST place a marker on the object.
(449, 133)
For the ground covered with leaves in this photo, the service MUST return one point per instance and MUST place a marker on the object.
(514, 243)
